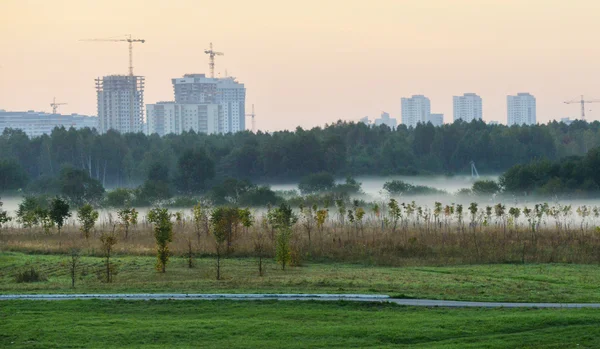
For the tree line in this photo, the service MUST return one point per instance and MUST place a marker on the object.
(195, 161)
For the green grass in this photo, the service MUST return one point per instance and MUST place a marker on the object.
(497, 282)
(272, 324)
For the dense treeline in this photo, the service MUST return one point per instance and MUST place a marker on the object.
(579, 175)
(120, 160)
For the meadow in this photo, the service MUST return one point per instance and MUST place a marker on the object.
(277, 324)
(136, 274)
(546, 254)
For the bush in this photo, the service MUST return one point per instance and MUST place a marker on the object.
(485, 187)
(182, 201)
(120, 197)
(351, 187)
(260, 196)
(29, 275)
(316, 183)
(12, 176)
(398, 187)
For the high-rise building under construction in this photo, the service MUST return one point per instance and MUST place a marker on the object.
(227, 92)
(120, 103)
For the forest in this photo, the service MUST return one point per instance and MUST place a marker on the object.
(198, 161)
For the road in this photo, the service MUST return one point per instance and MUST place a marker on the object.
(292, 297)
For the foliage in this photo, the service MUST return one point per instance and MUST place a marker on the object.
(259, 196)
(87, 217)
(574, 175)
(59, 212)
(157, 185)
(398, 187)
(30, 275)
(224, 222)
(127, 216)
(350, 187)
(12, 176)
(27, 211)
(316, 183)
(485, 187)
(229, 191)
(282, 219)
(119, 197)
(78, 187)
(108, 241)
(201, 220)
(342, 148)
(163, 234)
(73, 263)
(4, 217)
(195, 168)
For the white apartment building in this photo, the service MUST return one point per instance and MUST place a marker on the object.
(227, 92)
(120, 103)
(467, 107)
(436, 119)
(521, 109)
(35, 124)
(165, 118)
(385, 119)
(416, 109)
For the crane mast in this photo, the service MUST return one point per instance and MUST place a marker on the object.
(252, 115)
(582, 101)
(211, 54)
(55, 105)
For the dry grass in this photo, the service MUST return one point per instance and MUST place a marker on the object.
(411, 243)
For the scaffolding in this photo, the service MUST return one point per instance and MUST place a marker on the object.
(120, 103)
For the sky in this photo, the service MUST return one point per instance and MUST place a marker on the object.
(310, 62)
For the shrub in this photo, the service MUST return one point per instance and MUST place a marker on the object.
(29, 275)
(398, 187)
(315, 183)
(485, 187)
(120, 197)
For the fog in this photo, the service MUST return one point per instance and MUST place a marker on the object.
(372, 188)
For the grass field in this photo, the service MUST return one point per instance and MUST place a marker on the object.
(272, 324)
(495, 282)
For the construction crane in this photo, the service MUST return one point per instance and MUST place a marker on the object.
(474, 173)
(55, 105)
(252, 115)
(582, 101)
(128, 39)
(211, 53)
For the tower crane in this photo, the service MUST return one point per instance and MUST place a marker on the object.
(55, 105)
(127, 39)
(211, 53)
(583, 102)
(252, 115)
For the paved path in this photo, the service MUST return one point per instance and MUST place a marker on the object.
(283, 297)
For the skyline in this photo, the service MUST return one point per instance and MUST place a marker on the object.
(309, 64)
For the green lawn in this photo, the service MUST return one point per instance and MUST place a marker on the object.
(272, 324)
(501, 282)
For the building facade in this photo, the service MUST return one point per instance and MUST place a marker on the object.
(35, 124)
(165, 118)
(467, 107)
(120, 103)
(521, 109)
(228, 93)
(436, 119)
(415, 110)
(385, 119)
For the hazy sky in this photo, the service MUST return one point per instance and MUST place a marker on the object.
(312, 61)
